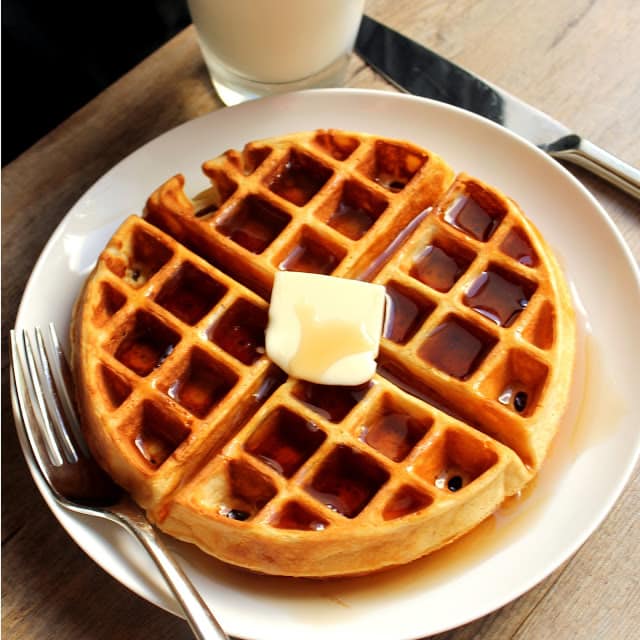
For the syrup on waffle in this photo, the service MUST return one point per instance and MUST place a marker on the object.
(183, 407)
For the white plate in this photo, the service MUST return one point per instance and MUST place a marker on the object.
(588, 466)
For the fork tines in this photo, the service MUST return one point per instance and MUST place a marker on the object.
(41, 398)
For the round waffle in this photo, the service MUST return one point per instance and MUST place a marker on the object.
(182, 406)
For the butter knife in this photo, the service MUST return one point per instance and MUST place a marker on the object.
(417, 70)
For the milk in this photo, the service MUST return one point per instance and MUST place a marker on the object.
(259, 44)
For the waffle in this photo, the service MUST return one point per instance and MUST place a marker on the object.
(182, 406)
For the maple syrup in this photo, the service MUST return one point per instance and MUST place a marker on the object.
(147, 345)
(439, 269)
(331, 402)
(357, 211)
(274, 378)
(245, 493)
(154, 448)
(337, 145)
(517, 381)
(406, 313)
(116, 389)
(346, 481)
(295, 516)
(285, 441)
(254, 224)
(394, 166)
(499, 296)
(393, 431)
(191, 294)
(473, 217)
(252, 401)
(203, 384)
(158, 434)
(310, 256)
(251, 159)
(455, 459)
(148, 256)
(406, 500)
(299, 179)
(111, 301)
(402, 379)
(456, 347)
(240, 331)
(351, 220)
(375, 265)
(516, 246)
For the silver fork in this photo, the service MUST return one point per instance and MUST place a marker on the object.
(50, 434)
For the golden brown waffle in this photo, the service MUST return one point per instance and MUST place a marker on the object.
(184, 409)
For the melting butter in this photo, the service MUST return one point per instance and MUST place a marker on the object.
(325, 329)
(322, 344)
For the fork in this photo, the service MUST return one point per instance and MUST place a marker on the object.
(52, 441)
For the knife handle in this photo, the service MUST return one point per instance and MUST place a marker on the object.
(589, 156)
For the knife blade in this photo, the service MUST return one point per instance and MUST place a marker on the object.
(415, 69)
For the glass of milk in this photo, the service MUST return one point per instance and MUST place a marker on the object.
(254, 48)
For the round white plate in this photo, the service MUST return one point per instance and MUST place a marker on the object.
(590, 461)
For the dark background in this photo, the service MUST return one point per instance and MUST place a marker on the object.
(56, 56)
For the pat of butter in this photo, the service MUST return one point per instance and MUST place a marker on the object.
(325, 329)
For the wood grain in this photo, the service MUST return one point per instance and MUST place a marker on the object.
(574, 59)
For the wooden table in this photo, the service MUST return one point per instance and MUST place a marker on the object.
(575, 59)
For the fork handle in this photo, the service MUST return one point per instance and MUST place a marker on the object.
(200, 619)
